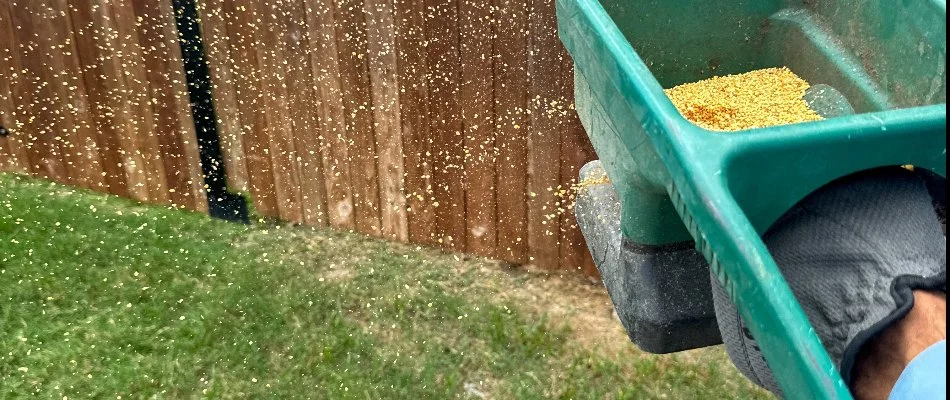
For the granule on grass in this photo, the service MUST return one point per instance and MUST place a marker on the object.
(756, 99)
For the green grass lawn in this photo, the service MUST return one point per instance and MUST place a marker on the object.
(102, 297)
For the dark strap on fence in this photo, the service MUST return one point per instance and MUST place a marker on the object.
(221, 203)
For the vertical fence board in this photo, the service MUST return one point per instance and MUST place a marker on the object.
(326, 73)
(72, 122)
(303, 115)
(414, 120)
(214, 27)
(512, 123)
(477, 105)
(42, 154)
(576, 150)
(88, 31)
(357, 103)
(8, 158)
(15, 158)
(170, 105)
(445, 121)
(381, 48)
(7, 161)
(98, 42)
(544, 151)
(49, 149)
(136, 94)
(279, 128)
(244, 29)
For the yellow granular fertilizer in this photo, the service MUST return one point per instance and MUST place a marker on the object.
(757, 99)
(589, 182)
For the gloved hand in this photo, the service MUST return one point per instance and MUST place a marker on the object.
(852, 254)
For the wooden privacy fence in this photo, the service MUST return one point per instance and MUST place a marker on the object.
(440, 122)
(92, 93)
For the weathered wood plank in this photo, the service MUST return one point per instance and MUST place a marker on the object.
(98, 46)
(414, 119)
(170, 104)
(139, 102)
(302, 105)
(477, 105)
(329, 107)
(51, 151)
(381, 49)
(448, 146)
(544, 150)
(576, 151)
(357, 103)
(40, 151)
(512, 122)
(15, 157)
(279, 128)
(244, 30)
(76, 124)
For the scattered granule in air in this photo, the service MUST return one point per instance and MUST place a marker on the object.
(757, 99)
(591, 181)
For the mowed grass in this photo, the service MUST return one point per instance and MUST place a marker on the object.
(102, 297)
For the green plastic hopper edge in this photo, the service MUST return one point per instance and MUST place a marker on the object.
(729, 188)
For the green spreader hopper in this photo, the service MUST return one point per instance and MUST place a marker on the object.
(691, 198)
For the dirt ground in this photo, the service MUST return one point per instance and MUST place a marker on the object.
(579, 301)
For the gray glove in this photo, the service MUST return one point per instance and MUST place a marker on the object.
(852, 254)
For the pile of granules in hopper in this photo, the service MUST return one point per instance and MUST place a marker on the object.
(756, 99)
